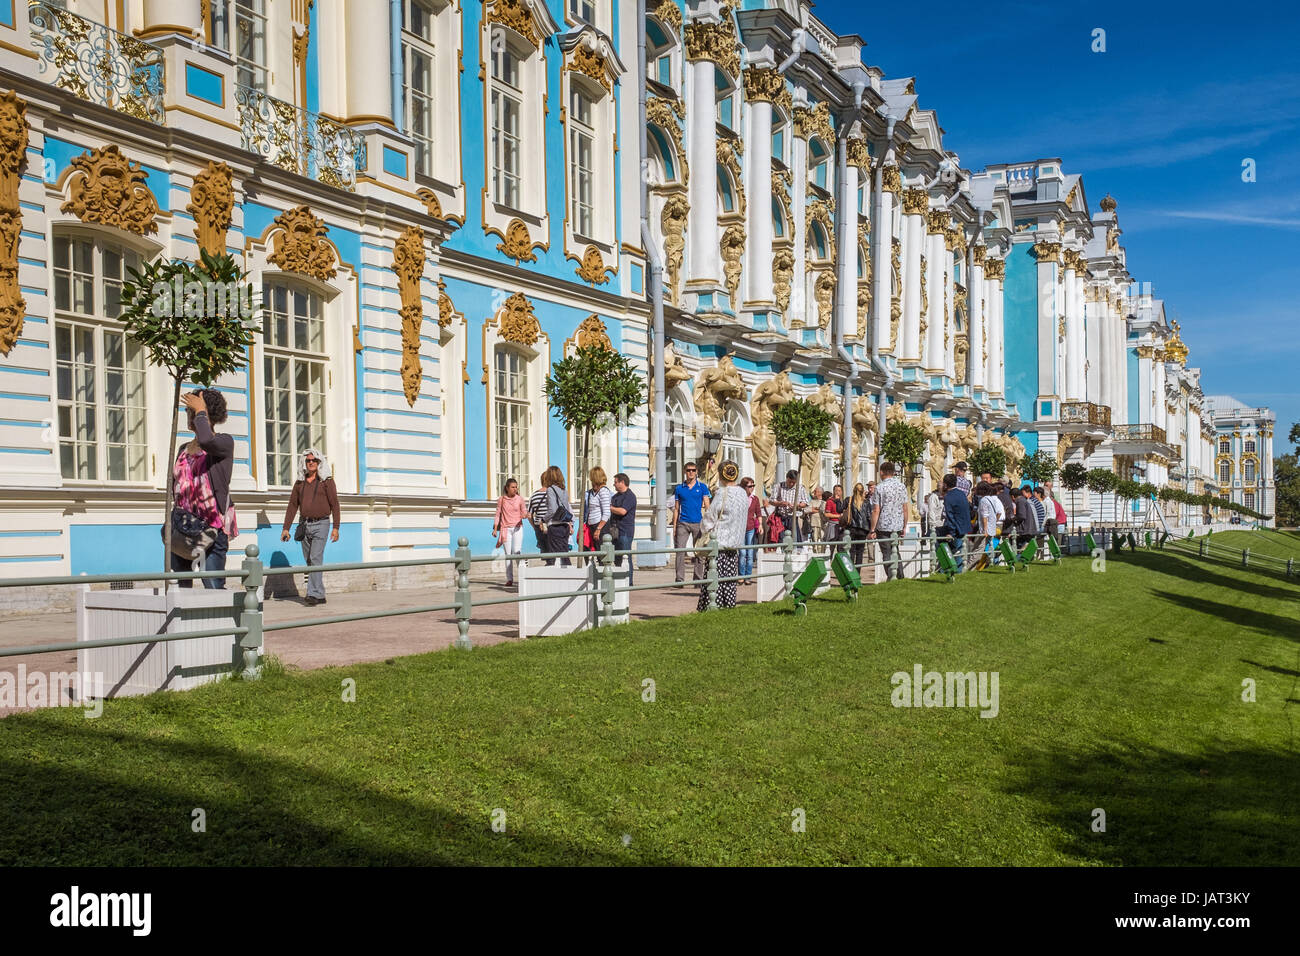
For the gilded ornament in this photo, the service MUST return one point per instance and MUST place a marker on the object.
(446, 311)
(762, 85)
(915, 201)
(714, 388)
(592, 268)
(814, 121)
(732, 248)
(517, 244)
(673, 221)
(1060, 329)
(212, 199)
(1048, 251)
(995, 269)
(517, 321)
(728, 154)
(824, 296)
(588, 61)
(668, 12)
(857, 153)
(1108, 203)
(300, 245)
(591, 331)
(515, 15)
(13, 160)
(782, 276)
(936, 222)
(891, 179)
(106, 188)
(977, 254)
(925, 299)
(864, 307)
(714, 41)
(408, 264)
(665, 114)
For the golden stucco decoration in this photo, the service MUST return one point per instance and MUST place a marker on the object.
(106, 188)
(732, 248)
(814, 121)
(516, 243)
(13, 160)
(300, 245)
(515, 15)
(891, 179)
(446, 311)
(857, 155)
(408, 264)
(673, 220)
(212, 199)
(592, 268)
(665, 114)
(782, 276)
(763, 85)
(588, 61)
(668, 12)
(915, 201)
(592, 331)
(517, 322)
(714, 41)
(824, 296)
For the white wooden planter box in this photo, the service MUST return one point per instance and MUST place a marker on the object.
(564, 615)
(167, 665)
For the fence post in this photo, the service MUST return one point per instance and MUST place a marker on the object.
(1288, 566)
(607, 581)
(463, 643)
(1245, 558)
(250, 615)
(1201, 545)
(787, 567)
(712, 578)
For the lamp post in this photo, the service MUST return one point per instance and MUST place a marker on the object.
(712, 443)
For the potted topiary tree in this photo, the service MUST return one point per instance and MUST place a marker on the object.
(1101, 481)
(904, 444)
(1073, 477)
(991, 458)
(1038, 468)
(800, 427)
(590, 391)
(196, 320)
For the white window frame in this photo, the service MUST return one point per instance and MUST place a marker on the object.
(99, 326)
(421, 103)
(537, 357)
(292, 354)
(517, 461)
(582, 169)
(250, 68)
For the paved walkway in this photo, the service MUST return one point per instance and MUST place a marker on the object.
(329, 645)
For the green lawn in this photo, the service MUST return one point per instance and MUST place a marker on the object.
(1269, 541)
(1118, 690)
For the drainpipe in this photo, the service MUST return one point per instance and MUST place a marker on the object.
(879, 291)
(846, 241)
(655, 291)
(395, 62)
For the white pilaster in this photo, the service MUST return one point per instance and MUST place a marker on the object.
(758, 171)
(704, 263)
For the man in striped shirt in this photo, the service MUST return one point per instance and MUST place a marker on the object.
(536, 509)
(963, 483)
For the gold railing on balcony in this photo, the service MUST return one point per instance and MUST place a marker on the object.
(98, 64)
(1085, 413)
(298, 140)
(1152, 433)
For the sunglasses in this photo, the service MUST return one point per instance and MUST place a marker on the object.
(690, 471)
(312, 461)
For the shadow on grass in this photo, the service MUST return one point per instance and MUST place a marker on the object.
(260, 811)
(1218, 807)
(1272, 624)
(1193, 569)
(1284, 671)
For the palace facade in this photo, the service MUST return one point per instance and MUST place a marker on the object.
(439, 198)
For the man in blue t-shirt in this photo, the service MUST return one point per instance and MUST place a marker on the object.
(623, 508)
(690, 498)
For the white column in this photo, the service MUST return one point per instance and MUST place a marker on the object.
(978, 334)
(914, 206)
(949, 311)
(997, 351)
(1073, 390)
(172, 16)
(798, 201)
(758, 186)
(932, 358)
(368, 55)
(881, 265)
(847, 263)
(1099, 317)
(1048, 255)
(703, 259)
(1085, 352)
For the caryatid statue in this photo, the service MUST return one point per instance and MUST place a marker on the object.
(969, 443)
(674, 374)
(824, 398)
(713, 389)
(770, 395)
(866, 424)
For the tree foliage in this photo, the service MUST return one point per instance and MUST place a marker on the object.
(593, 388)
(1039, 467)
(1074, 476)
(903, 444)
(989, 457)
(195, 334)
(1286, 482)
(1101, 480)
(800, 426)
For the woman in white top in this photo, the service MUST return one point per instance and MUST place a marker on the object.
(597, 507)
(728, 515)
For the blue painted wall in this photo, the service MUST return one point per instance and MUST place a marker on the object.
(1133, 387)
(1020, 330)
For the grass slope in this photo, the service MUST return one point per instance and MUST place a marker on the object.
(1269, 541)
(1118, 690)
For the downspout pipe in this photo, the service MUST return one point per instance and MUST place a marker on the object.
(655, 292)
(878, 277)
(395, 62)
(843, 225)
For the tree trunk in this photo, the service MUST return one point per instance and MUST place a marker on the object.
(171, 487)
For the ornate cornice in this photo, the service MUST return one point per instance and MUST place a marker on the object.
(300, 245)
(815, 121)
(108, 189)
(515, 15)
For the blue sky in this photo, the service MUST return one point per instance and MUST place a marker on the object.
(1162, 121)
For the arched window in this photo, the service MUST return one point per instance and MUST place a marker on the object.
(726, 197)
(1248, 472)
(512, 415)
(818, 162)
(675, 437)
(1225, 472)
(100, 372)
(660, 46)
(778, 219)
(829, 459)
(295, 376)
(735, 427)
